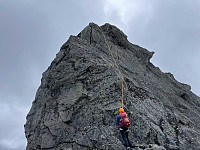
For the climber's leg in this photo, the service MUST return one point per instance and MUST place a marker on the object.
(123, 133)
(129, 143)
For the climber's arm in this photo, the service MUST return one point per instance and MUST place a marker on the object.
(117, 120)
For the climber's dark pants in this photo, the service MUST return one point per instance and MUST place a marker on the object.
(124, 133)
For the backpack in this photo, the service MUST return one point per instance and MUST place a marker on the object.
(125, 121)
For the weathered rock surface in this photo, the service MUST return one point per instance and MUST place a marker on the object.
(80, 93)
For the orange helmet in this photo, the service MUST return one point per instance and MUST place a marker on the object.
(121, 110)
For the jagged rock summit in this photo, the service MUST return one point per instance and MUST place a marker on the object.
(80, 93)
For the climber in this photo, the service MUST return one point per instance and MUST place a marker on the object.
(123, 123)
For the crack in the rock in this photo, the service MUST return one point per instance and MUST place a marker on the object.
(61, 59)
(161, 124)
(91, 37)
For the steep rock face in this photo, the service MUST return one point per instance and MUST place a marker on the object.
(80, 93)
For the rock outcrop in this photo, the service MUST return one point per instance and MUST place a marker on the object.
(80, 93)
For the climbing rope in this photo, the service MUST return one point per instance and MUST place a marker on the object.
(117, 68)
(115, 64)
(138, 146)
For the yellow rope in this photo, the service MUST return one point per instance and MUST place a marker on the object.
(122, 93)
(138, 147)
(114, 62)
(117, 68)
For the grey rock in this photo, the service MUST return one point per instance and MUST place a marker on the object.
(80, 93)
(154, 147)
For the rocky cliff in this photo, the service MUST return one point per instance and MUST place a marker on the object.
(80, 93)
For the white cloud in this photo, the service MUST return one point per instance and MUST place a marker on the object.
(15, 143)
(128, 10)
(12, 120)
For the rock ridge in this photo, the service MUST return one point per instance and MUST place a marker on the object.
(76, 104)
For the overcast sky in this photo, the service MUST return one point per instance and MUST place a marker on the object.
(32, 32)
